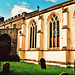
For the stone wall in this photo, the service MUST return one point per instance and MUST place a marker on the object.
(13, 35)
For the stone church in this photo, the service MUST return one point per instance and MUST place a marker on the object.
(48, 34)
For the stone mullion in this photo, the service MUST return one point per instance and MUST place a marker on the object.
(32, 38)
(36, 37)
(52, 34)
(49, 35)
(30, 35)
(56, 33)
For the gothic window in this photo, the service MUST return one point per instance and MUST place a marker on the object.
(33, 35)
(54, 31)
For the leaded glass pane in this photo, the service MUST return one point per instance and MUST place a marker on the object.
(50, 34)
(35, 36)
(30, 36)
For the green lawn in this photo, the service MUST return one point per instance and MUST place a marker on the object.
(21, 68)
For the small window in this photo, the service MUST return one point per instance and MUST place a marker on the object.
(20, 32)
(14, 26)
(74, 14)
(7, 27)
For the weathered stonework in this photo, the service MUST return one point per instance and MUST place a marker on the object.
(13, 35)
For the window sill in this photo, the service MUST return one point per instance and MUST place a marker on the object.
(54, 48)
(33, 49)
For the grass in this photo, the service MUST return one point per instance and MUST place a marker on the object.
(21, 68)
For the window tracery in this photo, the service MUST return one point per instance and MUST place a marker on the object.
(54, 31)
(33, 35)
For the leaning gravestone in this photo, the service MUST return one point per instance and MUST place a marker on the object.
(42, 63)
(74, 64)
(5, 68)
(64, 74)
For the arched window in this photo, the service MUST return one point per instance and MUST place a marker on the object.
(74, 14)
(7, 27)
(14, 26)
(33, 35)
(54, 31)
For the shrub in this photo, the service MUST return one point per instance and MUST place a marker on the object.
(14, 57)
(5, 57)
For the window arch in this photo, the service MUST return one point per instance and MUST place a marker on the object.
(54, 31)
(74, 14)
(33, 35)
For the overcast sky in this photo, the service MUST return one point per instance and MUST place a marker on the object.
(9, 8)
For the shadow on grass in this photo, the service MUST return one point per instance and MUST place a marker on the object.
(15, 73)
(27, 73)
(21, 68)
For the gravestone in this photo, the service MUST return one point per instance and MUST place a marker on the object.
(42, 63)
(5, 68)
(64, 74)
(74, 64)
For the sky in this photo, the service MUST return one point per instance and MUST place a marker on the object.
(10, 8)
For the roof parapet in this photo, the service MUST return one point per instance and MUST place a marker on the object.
(19, 15)
(12, 18)
(2, 22)
(6, 21)
(1, 19)
(15, 16)
(9, 19)
(24, 14)
(37, 12)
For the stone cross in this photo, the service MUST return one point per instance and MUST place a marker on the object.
(38, 7)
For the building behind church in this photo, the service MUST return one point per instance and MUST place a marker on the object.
(48, 34)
